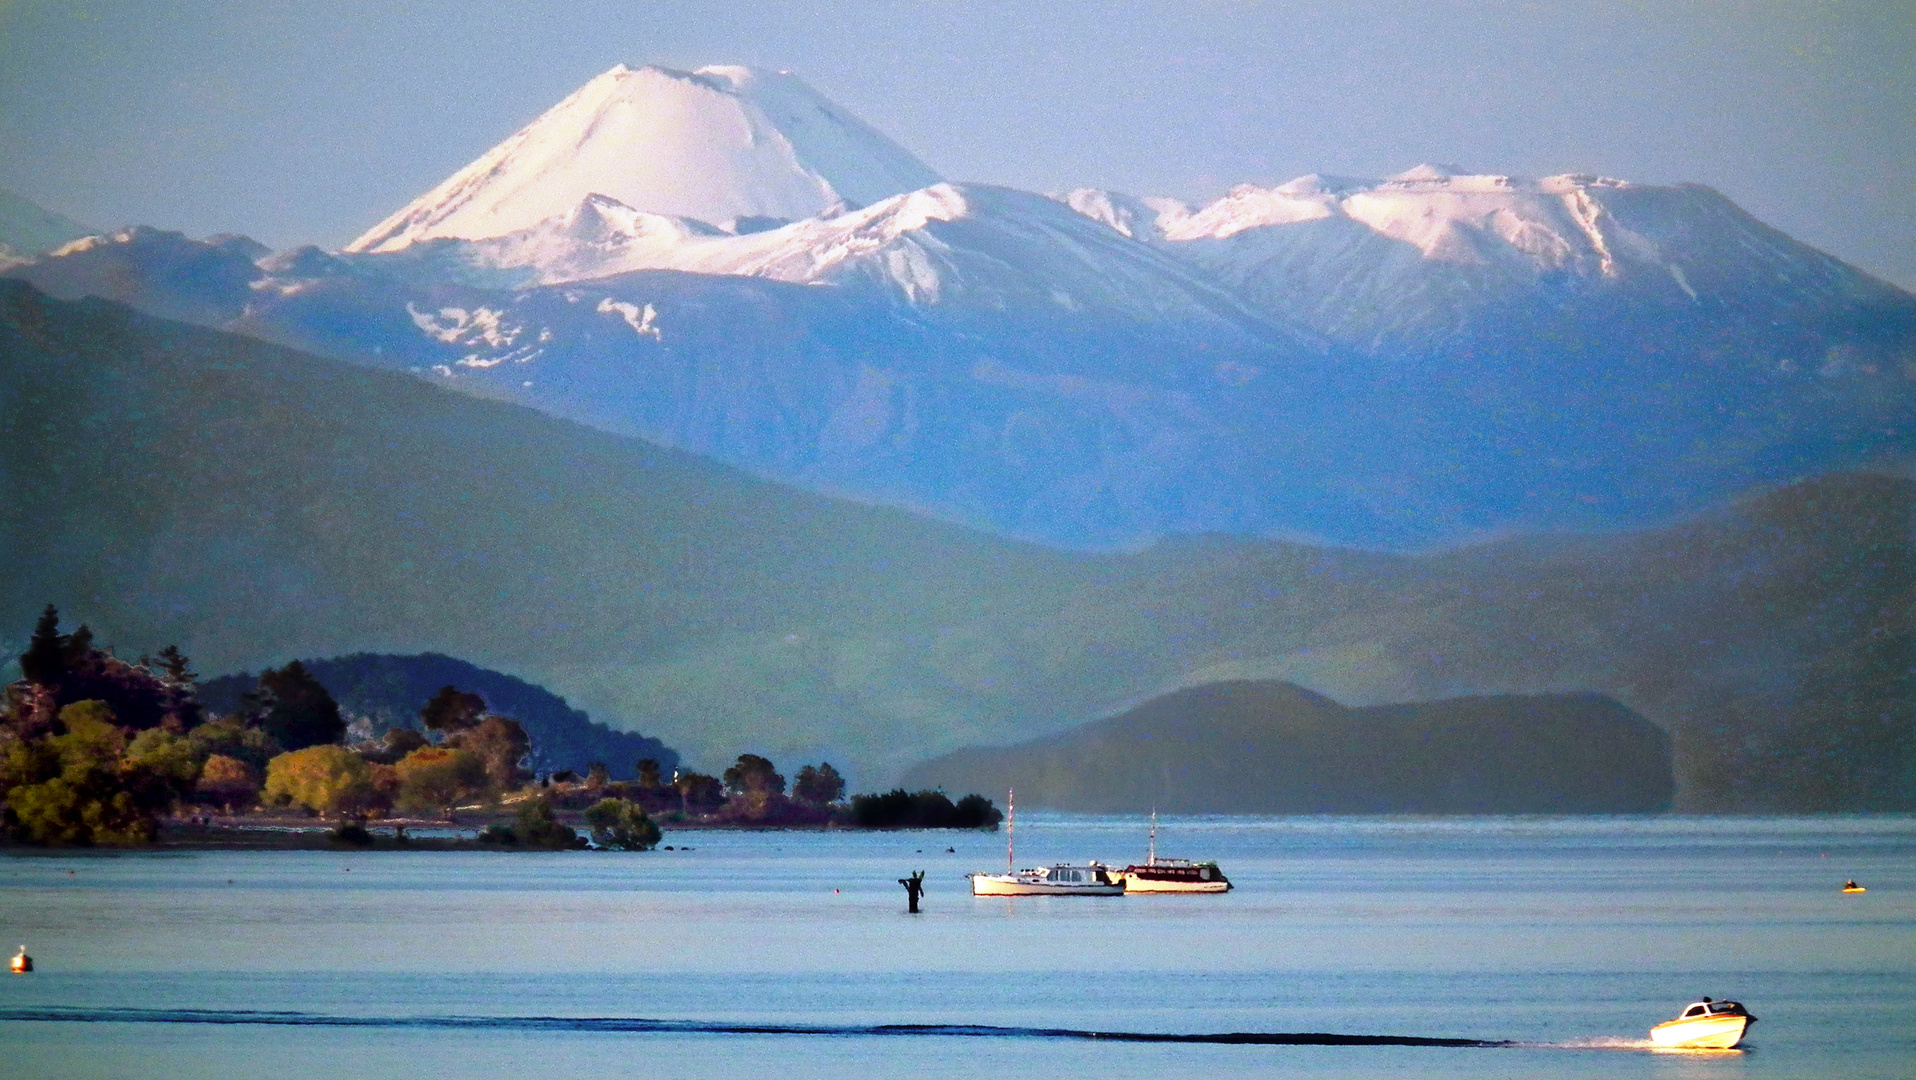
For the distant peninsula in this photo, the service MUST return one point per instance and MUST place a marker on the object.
(1270, 747)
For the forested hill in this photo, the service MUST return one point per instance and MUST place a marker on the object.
(171, 484)
(1266, 747)
(388, 691)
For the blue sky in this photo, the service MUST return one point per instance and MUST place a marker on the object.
(308, 122)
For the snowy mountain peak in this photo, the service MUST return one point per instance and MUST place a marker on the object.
(1427, 173)
(718, 144)
(1448, 215)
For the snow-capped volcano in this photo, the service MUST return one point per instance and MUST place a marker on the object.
(716, 145)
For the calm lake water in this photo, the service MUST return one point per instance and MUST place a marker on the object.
(1569, 937)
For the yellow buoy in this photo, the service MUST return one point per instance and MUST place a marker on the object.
(22, 963)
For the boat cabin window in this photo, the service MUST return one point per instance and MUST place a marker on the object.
(1694, 1010)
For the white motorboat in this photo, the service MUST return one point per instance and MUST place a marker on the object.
(1089, 879)
(1157, 875)
(1705, 1025)
(1063, 879)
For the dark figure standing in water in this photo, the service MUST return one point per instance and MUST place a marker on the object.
(914, 888)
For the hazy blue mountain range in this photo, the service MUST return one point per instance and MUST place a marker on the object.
(1430, 360)
(1250, 747)
(169, 483)
(388, 691)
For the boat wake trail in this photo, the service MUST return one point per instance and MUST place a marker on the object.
(641, 1026)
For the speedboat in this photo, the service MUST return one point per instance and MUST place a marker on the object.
(1064, 879)
(21, 964)
(1157, 875)
(1850, 886)
(1705, 1025)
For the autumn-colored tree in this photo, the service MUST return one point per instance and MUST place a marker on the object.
(325, 778)
(439, 778)
(501, 744)
(228, 782)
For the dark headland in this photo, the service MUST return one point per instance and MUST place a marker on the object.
(1266, 747)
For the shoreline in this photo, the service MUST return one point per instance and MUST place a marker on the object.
(265, 833)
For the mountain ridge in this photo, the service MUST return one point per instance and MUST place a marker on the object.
(176, 484)
(1263, 747)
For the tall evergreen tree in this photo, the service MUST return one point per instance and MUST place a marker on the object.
(177, 667)
(298, 710)
(46, 656)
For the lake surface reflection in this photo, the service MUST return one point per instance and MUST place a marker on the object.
(1567, 936)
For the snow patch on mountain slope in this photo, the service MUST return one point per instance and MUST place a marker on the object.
(714, 145)
(641, 320)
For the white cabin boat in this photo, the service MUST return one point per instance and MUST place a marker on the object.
(1174, 876)
(1705, 1025)
(1156, 875)
(1063, 879)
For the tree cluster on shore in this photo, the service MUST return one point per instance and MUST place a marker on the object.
(97, 750)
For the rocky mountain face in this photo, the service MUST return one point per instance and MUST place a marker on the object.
(1248, 747)
(169, 483)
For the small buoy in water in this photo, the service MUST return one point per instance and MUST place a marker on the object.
(1851, 886)
(22, 963)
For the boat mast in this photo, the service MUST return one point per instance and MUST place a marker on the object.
(1011, 828)
(1151, 855)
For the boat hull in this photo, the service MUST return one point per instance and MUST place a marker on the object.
(1139, 883)
(1009, 885)
(1702, 1032)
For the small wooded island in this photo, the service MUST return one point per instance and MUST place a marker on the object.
(95, 750)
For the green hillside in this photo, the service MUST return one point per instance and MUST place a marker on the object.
(1259, 747)
(167, 483)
